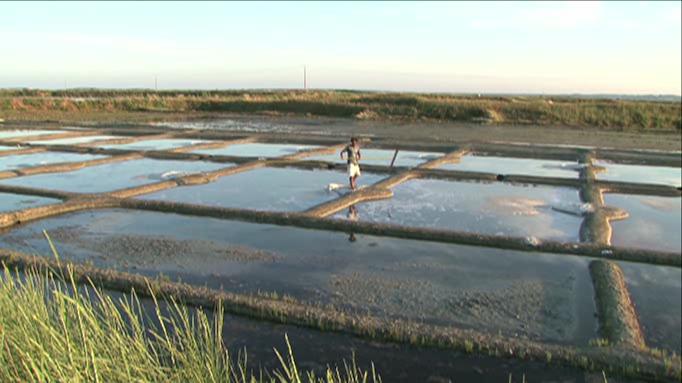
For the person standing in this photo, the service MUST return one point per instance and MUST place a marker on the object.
(353, 157)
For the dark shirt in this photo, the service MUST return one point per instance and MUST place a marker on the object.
(352, 154)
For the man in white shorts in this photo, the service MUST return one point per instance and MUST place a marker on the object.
(353, 156)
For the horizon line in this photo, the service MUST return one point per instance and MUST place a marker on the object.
(490, 93)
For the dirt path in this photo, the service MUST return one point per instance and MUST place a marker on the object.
(395, 130)
(459, 132)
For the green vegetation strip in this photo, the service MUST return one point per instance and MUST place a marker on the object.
(617, 318)
(290, 311)
(619, 115)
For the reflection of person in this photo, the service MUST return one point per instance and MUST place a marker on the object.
(353, 216)
(352, 213)
(353, 157)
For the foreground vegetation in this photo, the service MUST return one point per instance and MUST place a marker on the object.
(51, 332)
(622, 115)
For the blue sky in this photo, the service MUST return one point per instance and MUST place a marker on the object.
(515, 47)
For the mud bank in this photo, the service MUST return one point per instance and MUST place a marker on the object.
(617, 318)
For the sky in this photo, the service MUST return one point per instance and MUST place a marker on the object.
(461, 47)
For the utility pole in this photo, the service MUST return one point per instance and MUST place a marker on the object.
(156, 83)
(305, 79)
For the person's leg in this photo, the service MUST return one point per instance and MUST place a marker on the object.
(353, 174)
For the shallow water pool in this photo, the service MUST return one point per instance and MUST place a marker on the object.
(11, 202)
(656, 293)
(257, 150)
(20, 161)
(653, 223)
(115, 176)
(487, 208)
(518, 166)
(640, 174)
(265, 189)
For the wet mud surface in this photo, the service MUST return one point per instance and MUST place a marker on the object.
(536, 296)
(533, 308)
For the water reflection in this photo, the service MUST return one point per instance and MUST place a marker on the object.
(353, 216)
(496, 209)
(267, 189)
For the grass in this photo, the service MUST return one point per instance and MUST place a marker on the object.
(599, 342)
(621, 115)
(52, 331)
